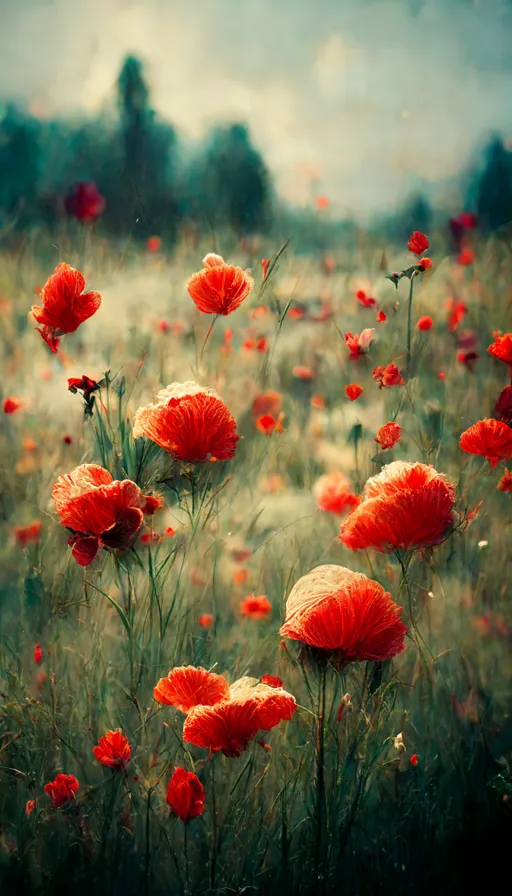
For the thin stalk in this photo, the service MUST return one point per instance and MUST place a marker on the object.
(320, 780)
(409, 327)
(213, 862)
(187, 871)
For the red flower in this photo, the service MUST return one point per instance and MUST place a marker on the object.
(185, 795)
(190, 422)
(425, 323)
(11, 405)
(256, 345)
(30, 805)
(322, 202)
(38, 654)
(381, 317)
(456, 310)
(344, 613)
(318, 401)
(503, 406)
(489, 438)
(267, 403)
(468, 358)
(273, 681)
(101, 512)
(501, 348)
(28, 534)
(64, 304)
(388, 376)
(186, 687)
(418, 243)
(82, 384)
(113, 750)
(465, 257)
(414, 759)
(219, 288)
(405, 506)
(256, 606)
(424, 264)
(353, 391)
(206, 620)
(333, 493)
(505, 483)
(85, 202)
(267, 424)
(359, 343)
(388, 435)
(264, 267)
(302, 373)
(365, 300)
(62, 789)
(154, 244)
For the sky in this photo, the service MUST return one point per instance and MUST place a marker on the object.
(364, 101)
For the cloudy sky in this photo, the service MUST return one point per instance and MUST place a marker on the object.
(370, 97)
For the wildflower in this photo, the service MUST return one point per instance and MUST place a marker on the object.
(83, 384)
(346, 703)
(465, 257)
(62, 789)
(505, 483)
(343, 613)
(64, 305)
(398, 743)
(388, 376)
(169, 532)
(333, 493)
(256, 606)
(206, 620)
(273, 681)
(149, 538)
(501, 348)
(185, 795)
(318, 401)
(388, 435)
(468, 358)
(418, 243)
(30, 806)
(190, 422)
(219, 288)
(264, 267)
(353, 391)
(268, 424)
(256, 345)
(425, 323)
(240, 576)
(359, 343)
(456, 313)
(489, 438)
(414, 759)
(84, 202)
(11, 405)
(366, 301)
(296, 313)
(113, 750)
(100, 511)
(461, 223)
(503, 407)
(322, 202)
(28, 534)
(267, 403)
(188, 686)
(406, 505)
(29, 444)
(164, 326)
(381, 317)
(441, 375)
(67, 439)
(302, 373)
(424, 264)
(154, 244)
(38, 654)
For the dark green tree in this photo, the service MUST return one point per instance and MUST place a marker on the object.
(19, 166)
(494, 195)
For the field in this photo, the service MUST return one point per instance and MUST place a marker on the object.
(391, 776)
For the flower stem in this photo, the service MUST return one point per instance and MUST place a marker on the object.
(409, 321)
(320, 780)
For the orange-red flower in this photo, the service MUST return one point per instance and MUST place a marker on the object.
(334, 494)
(85, 202)
(100, 511)
(388, 435)
(414, 759)
(353, 391)
(425, 323)
(256, 606)
(113, 750)
(424, 264)
(418, 242)
(267, 403)
(501, 348)
(503, 406)
(465, 256)
(388, 376)
(456, 313)
(189, 421)
(264, 267)
(64, 304)
(505, 483)
(206, 620)
(301, 372)
(188, 686)
(219, 288)
(185, 795)
(62, 789)
(359, 343)
(11, 405)
(268, 424)
(28, 534)
(273, 681)
(381, 317)
(489, 438)
(344, 613)
(406, 505)
(30, 806)
(38, 654)
(153, 244)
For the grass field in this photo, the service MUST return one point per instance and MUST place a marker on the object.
(332, 800)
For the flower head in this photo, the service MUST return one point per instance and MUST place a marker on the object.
(85, 202)
(62, 789)
(256, 606)
(418, 243)
(388, 376)
(505, 483)
(185, 795)
(267, 403)
(501, 348)
(388, 435)
(489, 438)
(11, 405)
(219, 288)
(333, 493)
(273, 681)
(268, 424)
(113, 749)
(359, 343)
(83, 384)
(366, 301)
(188, 686)
(353, 391)
(38, 654)
(425, 323)
(64, 305)
(30, 534)
(503, 407)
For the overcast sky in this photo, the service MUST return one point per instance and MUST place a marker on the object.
(369, 97)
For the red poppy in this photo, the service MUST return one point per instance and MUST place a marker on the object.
(85, 202)
(406, 505)
(334, 494)
(465, 256)
(62, 789)
(273, 681)
(205, 620)
(318, 401)
(256, 345)
(418, 243)
(296, 313)
(388, 376)
(190, 422)
(186, 687)
(256, 606)
(456, 313)
(381, 317)
(30, 805)
(302, 373)
(38, 654)
(489, 438)
(501, 348)
(414, 759)
(28, 534)
(425, 323)
(388, 435)
(219, 288)
(169, 532)
(359, 343)
(64, 304)
(113, 750)
(185, 795)
(154, 244)
(424, 264)
(268, 424)
(240, 576)
(503, 406)
(11, 405)
(322, 202)
(505, 483)
(468, 358)
(101, 512)
(353, 391)
(366, 301)
(267, 403)
(82, 384)
(344, 613)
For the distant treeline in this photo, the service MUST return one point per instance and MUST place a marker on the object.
(140, 182)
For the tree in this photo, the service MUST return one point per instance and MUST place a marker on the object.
(19, 165)
(494, 195)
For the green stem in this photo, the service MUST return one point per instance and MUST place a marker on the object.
(213, 862)
(320, 780)
(409, 322)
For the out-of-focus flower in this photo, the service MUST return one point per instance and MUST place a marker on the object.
(501, 348)
(83, 384)
(11, 405)
(322, 202)
(318, 401)
(30, 806)
(388, 435)
(328, 264)
(414, 759)
(365, 300)
(190, 422)
(185, 795)
(256, 606)
(62, 789)
(38, 654)
(302, 373)
(405, 506)
(505, 483)
(264, 267)
(381, 317)
(113, 750)
(456, 314)
(273, 681)
(461, 223)
(219, 288)
(388, 376)
(29, 444)
(268, 424)
(154, 244)
(169, 532)
(206, 620)
(468, 358)
(425, 323)
(503, 407)
(359, 343)
(240, 576)
(267, 403)
(30, 534)
(85, 202)
(256, 345)
(418, 243)
(67, 439)
(64, 305)
(489, 438)
(353, 391)
(296, 313)
(466, 256)
(343, 613)
(334, 494)
(164, 326)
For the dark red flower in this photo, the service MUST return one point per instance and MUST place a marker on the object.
(219, 288)
(64, 304)
(62, 789)
(38, 654)
(28, 534)
(418, 243)
(85, 202)
(185, 795)
(353, 391)
(503, 406)
(489, 438)
(11, 405)
(505, 483)
(113, 750)
(388, 435)
(388, 376)
(82, 384)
